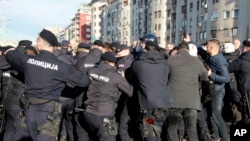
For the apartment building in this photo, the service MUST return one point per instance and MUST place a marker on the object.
(127, 20)
(206, 19)
(96, 24)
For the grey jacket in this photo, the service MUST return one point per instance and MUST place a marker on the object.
(185, 72)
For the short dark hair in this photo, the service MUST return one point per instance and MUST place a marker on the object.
(183, 45)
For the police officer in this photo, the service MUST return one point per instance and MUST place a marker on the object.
(84, 64)
(151, 80)
(63, 53)
(45, 77)
(241, 66)
(102, 96)
(82, 50)
(16, 127)
(126, 110)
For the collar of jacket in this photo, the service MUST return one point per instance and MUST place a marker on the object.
(183, 51)
(96, 52)
(47, 54)
(103, 65)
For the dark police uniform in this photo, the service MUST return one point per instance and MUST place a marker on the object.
(67, 99)
(15, 128)
(84, 64)
(102, 96)
(45, 78)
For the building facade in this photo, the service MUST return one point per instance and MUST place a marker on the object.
(127, 20)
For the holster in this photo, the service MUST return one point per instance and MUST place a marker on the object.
(159, 113)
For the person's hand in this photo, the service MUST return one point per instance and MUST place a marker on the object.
(187, 38)
(209, 72)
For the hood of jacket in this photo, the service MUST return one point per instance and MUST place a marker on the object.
(152, 57)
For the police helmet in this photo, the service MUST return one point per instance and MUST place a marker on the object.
(151, 41)
(150, 37)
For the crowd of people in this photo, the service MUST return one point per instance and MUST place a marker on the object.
(111, 91)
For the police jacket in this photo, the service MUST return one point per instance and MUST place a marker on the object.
(241, 66)
(104, 90)
(219, 67)
(63, 56)
(45, 75)
(14, 91)
(151, 81)
(80, 55)
(89, 61)
(185, 72)
(124, 63)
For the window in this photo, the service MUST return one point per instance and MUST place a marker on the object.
(159, 26)
(88, 35)
(204, 35)
(169, 13)
(159, 40)
(155, 27)
(159, 14)
(155, 15)
(213, 33)
(236, 13)
(190, 22)
(100, 8)
(205, 17)
(134, 1)
(215, 16)
(88, 29)
(198, 5)
(234, 32)
(226, 14)
(226, 33)
(215, 1)
(125, 3)
(191, 7)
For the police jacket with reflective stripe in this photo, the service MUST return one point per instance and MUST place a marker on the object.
(45, 75)
(104, 90)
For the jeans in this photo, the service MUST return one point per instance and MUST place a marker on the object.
(218, 125)
(190, 119)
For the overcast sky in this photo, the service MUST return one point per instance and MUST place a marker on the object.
(26, 18)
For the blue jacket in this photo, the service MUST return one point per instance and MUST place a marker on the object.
(219, 67)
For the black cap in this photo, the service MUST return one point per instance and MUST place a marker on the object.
(49, 37)
(99, 43)
(114, 45)
(109, 56)
(83, 45)
(65, 43)
(121, 47)
(246, 43)
(24, 43)
(31, 48)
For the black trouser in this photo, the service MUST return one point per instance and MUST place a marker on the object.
(190, 118)
(94, 124)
